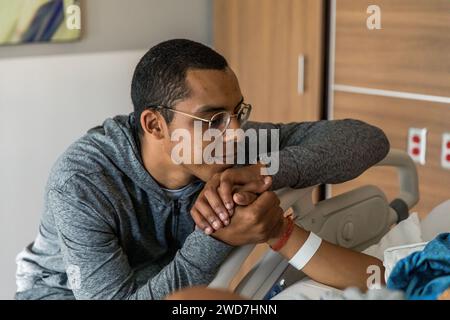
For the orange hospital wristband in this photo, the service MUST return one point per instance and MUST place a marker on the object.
(285, 237)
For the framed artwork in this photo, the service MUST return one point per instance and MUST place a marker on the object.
(31, 21)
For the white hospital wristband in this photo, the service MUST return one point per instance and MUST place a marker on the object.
(306, 252)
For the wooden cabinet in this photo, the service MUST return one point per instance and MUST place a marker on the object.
(276, 49)
(396, 78)
(410, 53)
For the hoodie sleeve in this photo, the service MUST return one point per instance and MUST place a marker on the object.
(98, 268)
(312, 153)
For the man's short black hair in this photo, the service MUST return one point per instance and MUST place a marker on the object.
(160, 77)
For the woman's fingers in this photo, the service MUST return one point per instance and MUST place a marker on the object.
(244, 198)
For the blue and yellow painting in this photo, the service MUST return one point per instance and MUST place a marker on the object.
(29, 21)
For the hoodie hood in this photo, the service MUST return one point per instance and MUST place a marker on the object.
(117, 140)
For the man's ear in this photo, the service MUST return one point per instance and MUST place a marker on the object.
(152, 123)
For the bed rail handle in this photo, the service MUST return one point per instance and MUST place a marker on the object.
(408, 179)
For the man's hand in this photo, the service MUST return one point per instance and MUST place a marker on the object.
(256, 223)
(236, 186)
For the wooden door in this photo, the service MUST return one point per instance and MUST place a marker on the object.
(266, 43)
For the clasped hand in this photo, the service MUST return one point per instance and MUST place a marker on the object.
(236, 207)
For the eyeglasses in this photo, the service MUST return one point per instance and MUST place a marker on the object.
(221, 120)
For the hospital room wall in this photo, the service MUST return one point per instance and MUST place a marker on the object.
(50, 94)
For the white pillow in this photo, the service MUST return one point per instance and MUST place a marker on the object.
(406, 232)
(436, 222)
(395, 254)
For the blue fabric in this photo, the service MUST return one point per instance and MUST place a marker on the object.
(276, 289)
(424, 275)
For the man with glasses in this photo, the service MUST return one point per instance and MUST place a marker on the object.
(122, 220)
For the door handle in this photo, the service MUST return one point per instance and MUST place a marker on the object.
(301, 75)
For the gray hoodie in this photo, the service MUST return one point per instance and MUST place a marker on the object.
(109, 231)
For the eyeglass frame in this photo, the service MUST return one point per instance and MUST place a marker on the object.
(241, 105)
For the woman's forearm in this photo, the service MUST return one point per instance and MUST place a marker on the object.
(332, 265)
